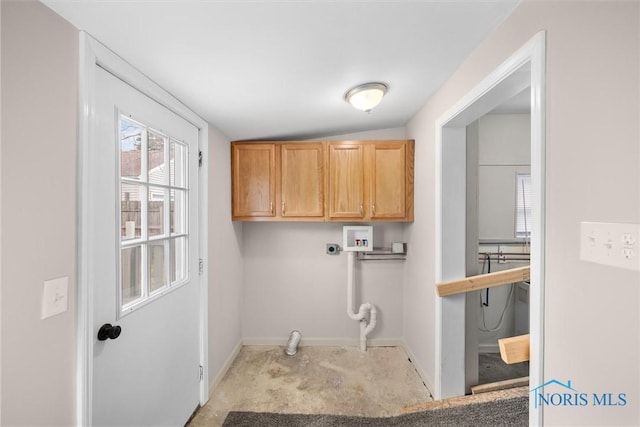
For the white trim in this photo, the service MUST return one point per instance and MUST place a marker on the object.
(419, 369)
(93, 53)
(474, 104)
(538, 220)
(328, 342)
(84, 362)
(203, 229)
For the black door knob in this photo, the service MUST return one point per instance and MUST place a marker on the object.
(108, 331)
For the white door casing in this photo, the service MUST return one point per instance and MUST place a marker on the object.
(525, 68)
(155, 371)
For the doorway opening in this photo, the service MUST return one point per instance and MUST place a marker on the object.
(524, 69)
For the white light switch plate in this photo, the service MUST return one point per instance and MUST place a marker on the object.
(55, 297)
(611, 244)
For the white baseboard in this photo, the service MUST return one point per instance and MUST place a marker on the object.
(329, 342)
(488, 348)
(225, 367)
(421, 372)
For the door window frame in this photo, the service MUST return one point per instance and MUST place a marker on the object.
(92, 55)
(167, 236)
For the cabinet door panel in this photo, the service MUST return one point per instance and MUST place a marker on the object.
(302, 172)
(346, 188)
(388, 190)
(253, 180)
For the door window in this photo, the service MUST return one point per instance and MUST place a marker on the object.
(153, 213)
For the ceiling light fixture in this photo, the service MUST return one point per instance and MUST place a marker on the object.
(366, 96)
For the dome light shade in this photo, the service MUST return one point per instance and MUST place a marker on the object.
(366, 96)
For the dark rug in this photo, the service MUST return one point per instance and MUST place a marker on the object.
(508, 412)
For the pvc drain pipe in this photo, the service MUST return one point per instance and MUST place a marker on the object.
(365, 309)
(292, 344)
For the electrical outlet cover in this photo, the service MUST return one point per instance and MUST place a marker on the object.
(612, 244)
(55, 297)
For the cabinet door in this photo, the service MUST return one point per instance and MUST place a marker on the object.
(302, 172)
(254, 180)
(387, 177)
(346, 181)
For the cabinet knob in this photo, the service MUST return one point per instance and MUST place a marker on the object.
(361, 209)
(271, 206)
(373, 209)
(283, 211)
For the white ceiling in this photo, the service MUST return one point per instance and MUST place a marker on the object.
(279, 69)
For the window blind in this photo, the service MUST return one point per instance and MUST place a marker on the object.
(523, 205)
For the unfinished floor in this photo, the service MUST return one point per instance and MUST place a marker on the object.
(317, 380)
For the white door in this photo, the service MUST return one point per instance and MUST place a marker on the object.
(144, 218)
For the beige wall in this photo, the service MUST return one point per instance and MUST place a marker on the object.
(225, 260)
(39, 142)
(39, 117)
(592, 157)
(0, 216)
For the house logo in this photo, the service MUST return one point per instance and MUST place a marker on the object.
(557, 393)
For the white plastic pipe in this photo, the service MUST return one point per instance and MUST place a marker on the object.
(365, 308)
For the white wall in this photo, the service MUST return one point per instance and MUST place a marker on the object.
(39, 118)
(504, 143)
(290, 283)
(225, 261)
(504, 149)
(593, 97)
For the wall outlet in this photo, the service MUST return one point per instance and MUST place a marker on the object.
(611, 244)
(333, 249)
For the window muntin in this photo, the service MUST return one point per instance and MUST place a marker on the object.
(154, 195)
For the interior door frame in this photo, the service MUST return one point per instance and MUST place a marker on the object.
(93, 54)
(525, 68)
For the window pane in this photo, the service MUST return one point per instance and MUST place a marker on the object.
(178, 207)
(178, 259)
(155, 159)
(131, 135)
(178, 164)
(155, 211)
(157, 275)
(131, 271)
(130, 211)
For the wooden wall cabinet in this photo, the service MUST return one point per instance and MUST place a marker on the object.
(253, 180)
(302, 181)
(340, 181)
(371, 181)
(277, 181)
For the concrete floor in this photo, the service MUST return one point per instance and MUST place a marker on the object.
(493, 369)
(317, 380)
